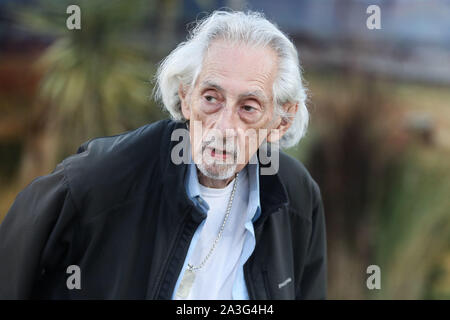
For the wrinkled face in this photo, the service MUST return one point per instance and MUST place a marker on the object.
(228, 106)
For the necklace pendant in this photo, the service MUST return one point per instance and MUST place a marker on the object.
(186, 283)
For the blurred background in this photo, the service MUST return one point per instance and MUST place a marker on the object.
(378, 143)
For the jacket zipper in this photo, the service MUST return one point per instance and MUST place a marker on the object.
(172, 253)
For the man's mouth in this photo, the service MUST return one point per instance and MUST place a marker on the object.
(220, 154)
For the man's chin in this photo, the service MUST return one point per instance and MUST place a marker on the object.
(217, 171)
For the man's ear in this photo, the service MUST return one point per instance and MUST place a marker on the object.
(185, 109)
(282, 125)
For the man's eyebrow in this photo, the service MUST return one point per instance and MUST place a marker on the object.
(208, 83)
(251, 94)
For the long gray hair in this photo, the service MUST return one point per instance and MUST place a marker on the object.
(183, 64)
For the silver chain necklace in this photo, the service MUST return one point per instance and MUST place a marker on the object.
(189, 275)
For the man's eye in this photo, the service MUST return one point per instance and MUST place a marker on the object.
(248, 108)
(210, 98)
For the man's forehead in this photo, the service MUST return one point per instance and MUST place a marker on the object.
(240, 61)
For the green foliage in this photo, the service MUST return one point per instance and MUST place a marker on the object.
(414, 226)
(385, 189)
(95, 79)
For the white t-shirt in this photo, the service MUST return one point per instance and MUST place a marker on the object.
(216, 278)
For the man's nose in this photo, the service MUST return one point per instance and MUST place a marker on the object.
(226, 122)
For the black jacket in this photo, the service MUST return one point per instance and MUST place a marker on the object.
(119, 210)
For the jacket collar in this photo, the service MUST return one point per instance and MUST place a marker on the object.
(272, 193)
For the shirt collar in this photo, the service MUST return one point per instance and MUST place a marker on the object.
(193, 189)
(253, 178)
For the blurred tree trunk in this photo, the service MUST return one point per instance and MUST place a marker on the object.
(347, 161)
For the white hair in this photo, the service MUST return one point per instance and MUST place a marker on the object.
(183, 64)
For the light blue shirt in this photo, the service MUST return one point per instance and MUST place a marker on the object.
(239, 291)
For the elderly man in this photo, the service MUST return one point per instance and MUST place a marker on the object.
(124, 218)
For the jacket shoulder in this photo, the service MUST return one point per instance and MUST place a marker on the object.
(109, 170)
(100, 145)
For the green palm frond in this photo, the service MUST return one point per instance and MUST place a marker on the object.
(93, 76)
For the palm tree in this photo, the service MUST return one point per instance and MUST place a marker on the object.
(95, 80)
